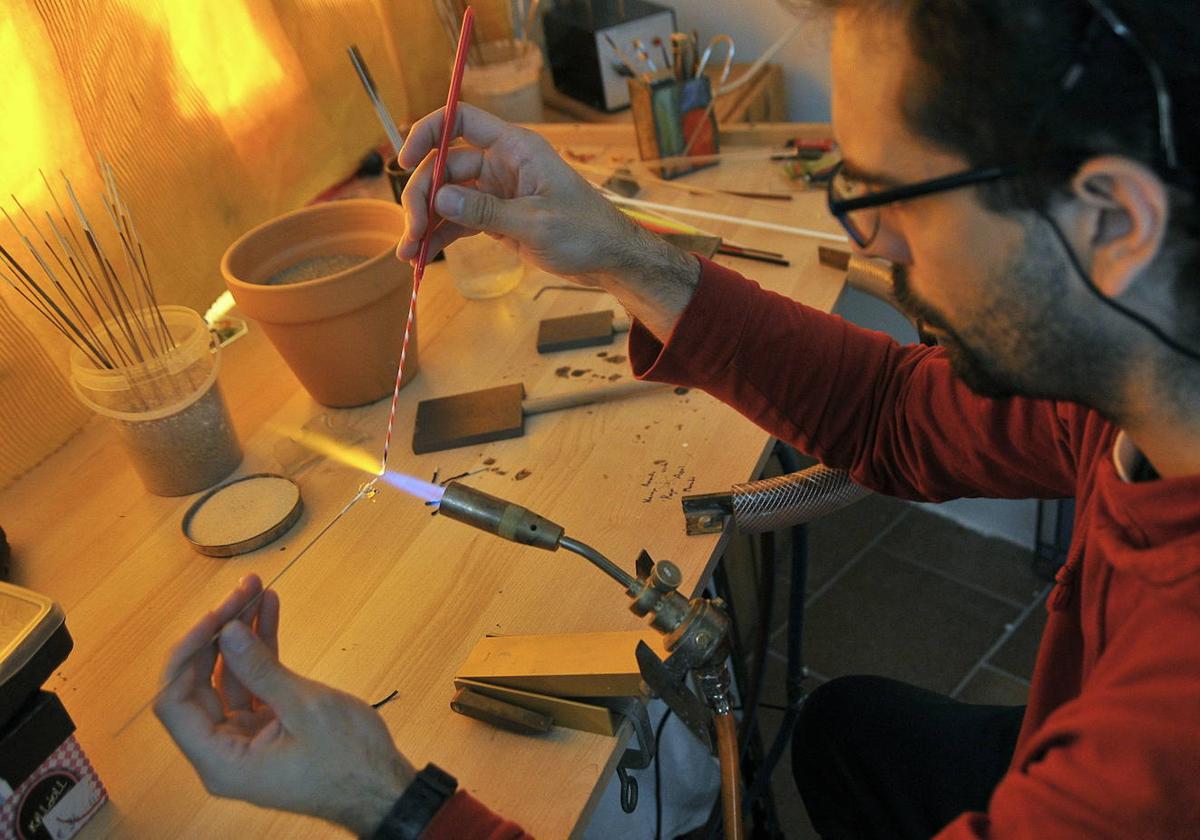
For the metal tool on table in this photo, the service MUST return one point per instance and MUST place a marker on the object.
(697, 634)
(707, 246)
(499, 413)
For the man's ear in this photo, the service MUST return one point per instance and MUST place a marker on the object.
(1126, 210)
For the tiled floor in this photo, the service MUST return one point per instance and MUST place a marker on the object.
(896, 590)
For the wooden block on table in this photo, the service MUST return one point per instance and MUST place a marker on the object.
(563, 664)
(497, 712)
(589, 329)
(466, 419)
(563, 711)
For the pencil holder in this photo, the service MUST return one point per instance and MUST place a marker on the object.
(674, 118)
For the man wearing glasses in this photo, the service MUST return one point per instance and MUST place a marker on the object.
(1031, 167)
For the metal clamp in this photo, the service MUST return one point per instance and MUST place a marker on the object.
(634, 758)
(707, 513)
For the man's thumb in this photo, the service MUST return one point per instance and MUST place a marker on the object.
(259, 670)
(472, 209)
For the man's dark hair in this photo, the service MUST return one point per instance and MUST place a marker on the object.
(988, 86)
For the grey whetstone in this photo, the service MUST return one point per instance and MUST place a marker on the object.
(466, 419)
(590, 329)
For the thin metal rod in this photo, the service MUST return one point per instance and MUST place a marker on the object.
(366, 490)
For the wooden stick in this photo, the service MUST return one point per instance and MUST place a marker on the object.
(723, 157)
(144, 273)
(695, 189)
(46, 269)
(147, 302)
(720, 217)
(33, 285)
(81, 282)
(102, 264)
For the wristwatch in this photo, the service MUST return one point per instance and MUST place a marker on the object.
(415, 808)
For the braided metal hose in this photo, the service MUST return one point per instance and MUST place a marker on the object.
(792, 499)
(872, 276)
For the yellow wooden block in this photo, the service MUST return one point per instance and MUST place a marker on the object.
(563, 664)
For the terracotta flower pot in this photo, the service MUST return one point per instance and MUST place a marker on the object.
(341, 333)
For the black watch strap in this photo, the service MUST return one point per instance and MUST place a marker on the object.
(415, 808)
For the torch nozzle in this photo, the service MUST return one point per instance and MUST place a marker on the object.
(520, 525)
(497, 516)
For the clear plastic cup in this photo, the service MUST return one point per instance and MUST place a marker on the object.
(483, 267)
(168, 410)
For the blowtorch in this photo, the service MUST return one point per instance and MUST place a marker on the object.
(697, 631)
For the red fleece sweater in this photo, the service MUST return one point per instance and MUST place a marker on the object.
(1110, 745)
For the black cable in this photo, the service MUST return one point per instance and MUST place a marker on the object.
(1119, 308)
(754, 689)
(658, 814)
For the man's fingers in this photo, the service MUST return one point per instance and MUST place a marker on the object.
(195, 650)
(267, 626)
(189, 726)
(259, 670)
(462, 164)
(478, 210)
(446, 233)
(477, 127)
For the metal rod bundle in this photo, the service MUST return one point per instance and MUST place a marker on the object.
(449, 13)
(112, 315)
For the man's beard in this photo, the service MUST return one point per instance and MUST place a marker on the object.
(1026, 339)
(969, 366)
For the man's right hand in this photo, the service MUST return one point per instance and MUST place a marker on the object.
(513, 185)
(508, 182)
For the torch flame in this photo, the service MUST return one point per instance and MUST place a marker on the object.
(362, 460)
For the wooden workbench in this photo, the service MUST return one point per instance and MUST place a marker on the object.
(392, 598)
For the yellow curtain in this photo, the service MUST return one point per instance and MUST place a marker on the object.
(214, 116)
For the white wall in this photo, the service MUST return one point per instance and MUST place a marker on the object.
(754, 25)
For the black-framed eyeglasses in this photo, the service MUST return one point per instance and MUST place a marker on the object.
(857, 208)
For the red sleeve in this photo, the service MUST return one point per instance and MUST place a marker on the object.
(1119, 761)
(464, 817)
(895, 416)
